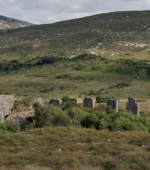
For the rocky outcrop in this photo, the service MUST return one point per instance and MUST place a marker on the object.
(8, 23)
(6, 103)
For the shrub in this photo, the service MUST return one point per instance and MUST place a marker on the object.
(10, 127)
(100, 99)
(65, 99)
(61, 120)
(89, 120)
(109, 110)
(69, 105)
(76, 113)
(42, 116)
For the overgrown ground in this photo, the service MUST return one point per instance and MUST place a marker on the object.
(80, 148)
(90, 75)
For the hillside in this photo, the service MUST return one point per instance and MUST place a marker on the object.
(8, 23)
(111, 34)
(38, 60)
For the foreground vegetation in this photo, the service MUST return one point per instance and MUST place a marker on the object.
(80, 149)
(75, 138)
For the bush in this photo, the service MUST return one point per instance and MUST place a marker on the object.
(100, 99)
(10, 127)
(65, 99)
(61, 120)
(42, 116)
(69, 105)
(89, 120)
(76, 113)
(114, 121)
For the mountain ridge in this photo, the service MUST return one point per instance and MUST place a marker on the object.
(9, 23)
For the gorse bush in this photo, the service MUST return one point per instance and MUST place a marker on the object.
(115, 121)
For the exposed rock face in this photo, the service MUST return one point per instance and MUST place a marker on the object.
(38, 99)
(6, 103)
(8, 23)
(20, 116)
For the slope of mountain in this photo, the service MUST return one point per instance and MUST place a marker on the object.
(111, 34)
(8, 23)
(26, 56)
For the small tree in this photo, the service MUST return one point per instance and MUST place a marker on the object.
(41, 115)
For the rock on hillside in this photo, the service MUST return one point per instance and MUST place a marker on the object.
(6, 103)
(8, 23)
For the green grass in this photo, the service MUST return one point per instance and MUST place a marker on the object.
(113, 36)
(123, 151)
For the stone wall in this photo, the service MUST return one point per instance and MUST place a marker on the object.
(133, 106)
(88, 102)
(113, 104)
(55, 101)
(6, 103)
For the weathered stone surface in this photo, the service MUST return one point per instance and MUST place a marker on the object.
(133, 106)
(88, 102)
(20, 116)
(6, 103)
(38, 99)
(55, 101)
(113, 104)
(73, 100)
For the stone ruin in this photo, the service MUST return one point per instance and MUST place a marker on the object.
(132, 106)
(88, 102)
(6, 103)
(113, 104)
(55, 101)
(73, 100)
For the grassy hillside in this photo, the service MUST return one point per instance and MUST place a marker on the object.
(110, 34)
(34, 60)
(81, 149)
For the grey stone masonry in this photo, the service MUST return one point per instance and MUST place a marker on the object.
(113, 104)
(73, 100)
(88, 102)
(55, 101)
(132, 106)
(6, 103)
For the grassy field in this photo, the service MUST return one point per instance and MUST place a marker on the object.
(22, 50)
(80, 149)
